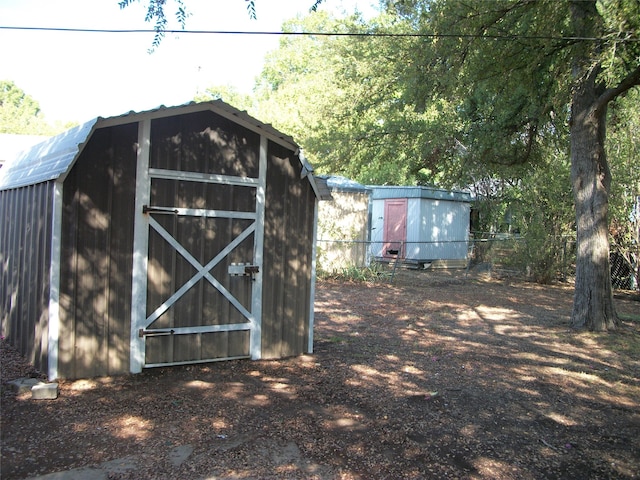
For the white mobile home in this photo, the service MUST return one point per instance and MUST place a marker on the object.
(420, 225)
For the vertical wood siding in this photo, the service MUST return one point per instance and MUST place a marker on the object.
(97, 247)
(25, 257)
(96, 263)
(287, 256)
(205, 143)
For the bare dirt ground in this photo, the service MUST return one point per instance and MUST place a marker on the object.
(433, 376)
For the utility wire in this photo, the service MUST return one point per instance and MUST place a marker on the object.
(325, 34)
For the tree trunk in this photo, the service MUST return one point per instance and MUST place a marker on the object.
(593, 301)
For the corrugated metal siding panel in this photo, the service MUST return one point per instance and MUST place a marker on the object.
(25, 259)
(377, 228)
(97, 246)
(287, 257)
(445, 229)
(415, 222)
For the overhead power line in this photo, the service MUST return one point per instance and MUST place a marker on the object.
(326, 34)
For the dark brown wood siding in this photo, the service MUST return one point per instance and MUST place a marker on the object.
(96, 247)
(25, 258)
(96, 263)
(204, 142)
(288, 243)
(207, 143)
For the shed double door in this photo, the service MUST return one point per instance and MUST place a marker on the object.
(203, 269)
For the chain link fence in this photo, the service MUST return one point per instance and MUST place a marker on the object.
(624, 263)
(543, 260)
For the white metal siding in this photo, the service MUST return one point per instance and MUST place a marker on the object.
(444, 230)
(377, 227)
(414, 237)
(436, 229)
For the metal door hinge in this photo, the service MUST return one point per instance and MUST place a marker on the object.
(148, 209)
(150, 333)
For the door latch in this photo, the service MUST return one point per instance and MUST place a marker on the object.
(243, 269)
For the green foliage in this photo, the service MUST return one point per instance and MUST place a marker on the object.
(624, 154)
(620, 23)
(17, 109)
(227, 94)
(542, 207)
(537, 208)
(156, 15)
(20, 113)
(251, 9)
(492, 62)
(341, 99)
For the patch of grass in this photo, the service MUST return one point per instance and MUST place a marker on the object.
(352, 273)
(630, 317)
(336, 339)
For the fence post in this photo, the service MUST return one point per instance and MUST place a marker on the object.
(564, 260)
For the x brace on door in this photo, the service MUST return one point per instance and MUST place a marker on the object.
(201, 271)
(145, 223)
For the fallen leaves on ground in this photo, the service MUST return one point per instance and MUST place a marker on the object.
(428, 377)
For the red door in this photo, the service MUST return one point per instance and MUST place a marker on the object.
(395, 227)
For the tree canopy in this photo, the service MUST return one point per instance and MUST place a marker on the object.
(20, 113)
(341, 97)
(518, 73)
(475, 94)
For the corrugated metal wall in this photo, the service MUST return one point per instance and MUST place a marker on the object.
(288, 247)
(25, 255)
(96, 263)
(436, 229)
(444, 229)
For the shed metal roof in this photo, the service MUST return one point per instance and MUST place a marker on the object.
(337, 183)
(47, 160)
(53, 158)
(11, 144)
(386, 192)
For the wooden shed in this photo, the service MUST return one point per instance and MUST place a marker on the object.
(420, 225)
(173, 236)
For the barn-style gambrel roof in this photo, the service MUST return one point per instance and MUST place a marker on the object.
(53, 158)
